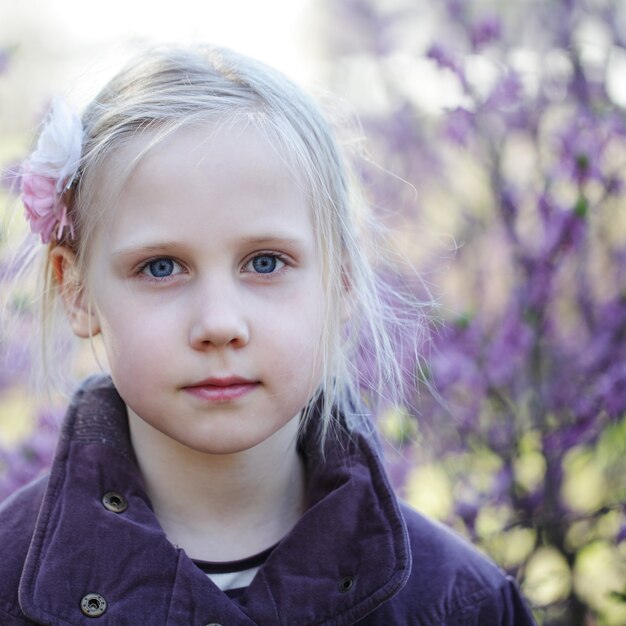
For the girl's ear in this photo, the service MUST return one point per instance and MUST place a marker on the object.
(82, 317)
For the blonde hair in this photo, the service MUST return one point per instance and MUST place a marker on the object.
(167, 89)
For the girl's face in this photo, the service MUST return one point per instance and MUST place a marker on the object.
(207, 289)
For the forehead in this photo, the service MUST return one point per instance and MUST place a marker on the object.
(215, 173)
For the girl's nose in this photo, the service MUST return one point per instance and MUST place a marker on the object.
(218, 320)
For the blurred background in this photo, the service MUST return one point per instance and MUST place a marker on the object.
(495, 152)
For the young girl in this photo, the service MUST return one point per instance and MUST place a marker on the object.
(198, 218)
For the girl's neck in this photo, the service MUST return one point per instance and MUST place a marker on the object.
(222, 507)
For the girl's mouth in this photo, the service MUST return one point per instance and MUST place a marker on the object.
(224, 389)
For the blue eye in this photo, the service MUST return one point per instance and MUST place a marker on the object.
(160, 268)
(265, 263)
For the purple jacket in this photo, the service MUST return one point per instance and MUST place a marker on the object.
(356, 557)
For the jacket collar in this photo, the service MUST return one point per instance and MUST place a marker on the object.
(347, 554)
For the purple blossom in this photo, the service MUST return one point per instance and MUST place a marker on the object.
(569, 435)
(30, 458)
(507, 93)
(446, 59)
(536, 289)
(530, 504)
(456, 9)
(582, 144)
(507, 350)
(468, 509)
(509, 204)
(503, 479)
(614, 185)
(459, 126)
(485, 31)
(564, 230)
(452, 361)
(610, 389)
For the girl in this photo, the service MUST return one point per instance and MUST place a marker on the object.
(198, 219)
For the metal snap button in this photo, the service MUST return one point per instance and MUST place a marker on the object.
(213, 624)
(346, 583)
(114, 501)
(93, 605)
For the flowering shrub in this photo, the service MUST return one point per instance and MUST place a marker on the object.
(28, 432)
(509, 122)
(31, 457)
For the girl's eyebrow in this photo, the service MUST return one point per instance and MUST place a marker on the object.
(273, 238)
(282, 240)
(148, 248)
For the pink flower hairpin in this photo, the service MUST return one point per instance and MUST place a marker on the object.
(50, 170)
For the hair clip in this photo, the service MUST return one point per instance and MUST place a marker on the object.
(50, 171)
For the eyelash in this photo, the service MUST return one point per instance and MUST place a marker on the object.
(141, 269)
(274, 255)
(142, 273)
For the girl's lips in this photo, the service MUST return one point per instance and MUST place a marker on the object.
(222, 390)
